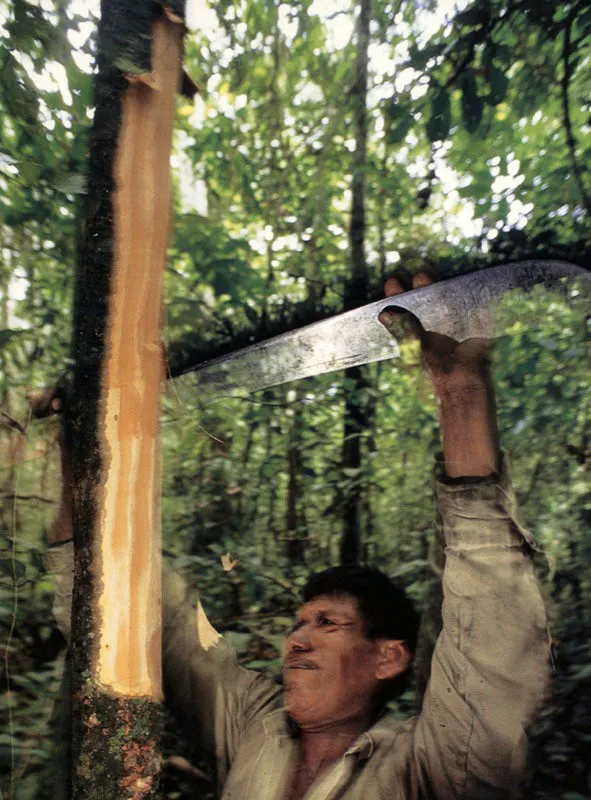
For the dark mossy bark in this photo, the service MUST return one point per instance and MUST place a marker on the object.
(120, 751)
(91, 306)
(115, 738)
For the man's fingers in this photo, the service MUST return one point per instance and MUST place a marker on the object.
(392, 287)
(397, 284)
(421, 279)
(401, 282)
(388, 317)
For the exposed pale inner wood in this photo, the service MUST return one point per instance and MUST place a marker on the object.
(129, 659)
(206, 633)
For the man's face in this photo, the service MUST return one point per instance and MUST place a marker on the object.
(330, 667)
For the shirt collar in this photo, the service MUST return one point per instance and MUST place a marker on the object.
(278, 724)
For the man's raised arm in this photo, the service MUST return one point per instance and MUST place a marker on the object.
(489, 667)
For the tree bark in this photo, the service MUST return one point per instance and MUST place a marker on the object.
(113, 422)
(571, 141)
(9, 448)
(356, 294)
(295, 520)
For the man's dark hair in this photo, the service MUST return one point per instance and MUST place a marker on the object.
(384, 606)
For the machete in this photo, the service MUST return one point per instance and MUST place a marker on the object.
(459, 308)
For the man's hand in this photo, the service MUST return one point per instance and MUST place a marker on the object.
(46, 403)
(461, 378)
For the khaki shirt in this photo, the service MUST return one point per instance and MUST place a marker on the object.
(488, 677)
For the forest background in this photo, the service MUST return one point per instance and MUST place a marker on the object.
(331, 143)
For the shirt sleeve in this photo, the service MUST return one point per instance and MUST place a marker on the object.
(59, 561)
(210, 693)
(489, 670)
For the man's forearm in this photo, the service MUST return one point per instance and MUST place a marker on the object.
(469, 428)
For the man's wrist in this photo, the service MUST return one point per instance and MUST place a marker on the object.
(463, 391)
(469, 480)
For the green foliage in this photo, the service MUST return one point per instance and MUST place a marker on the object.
(471, 101)
(439, 122)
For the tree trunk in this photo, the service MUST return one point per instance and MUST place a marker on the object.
(7, 437)
(113, 423)
(355, 295)
(295, 521)
(370, 450)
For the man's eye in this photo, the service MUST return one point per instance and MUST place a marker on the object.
(326, 621)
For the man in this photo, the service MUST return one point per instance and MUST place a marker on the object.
(354, 636)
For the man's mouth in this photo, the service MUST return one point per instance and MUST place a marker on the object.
(300, 664)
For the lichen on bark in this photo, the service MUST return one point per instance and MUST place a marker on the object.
(119, 746)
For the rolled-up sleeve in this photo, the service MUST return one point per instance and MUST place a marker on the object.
(490, 666)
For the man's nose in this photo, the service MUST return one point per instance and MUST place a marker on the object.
(299, 641)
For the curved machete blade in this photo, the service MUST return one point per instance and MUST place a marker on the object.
(459, 308)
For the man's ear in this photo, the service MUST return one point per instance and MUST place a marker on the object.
(394, 658)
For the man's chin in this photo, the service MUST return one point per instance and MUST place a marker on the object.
(303, 716)
(302, 706)
(315, 708)
(303, 680)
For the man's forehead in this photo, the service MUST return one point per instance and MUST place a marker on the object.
(326, 603)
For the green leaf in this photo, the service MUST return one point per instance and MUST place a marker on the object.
(477, 14)
(258, 664)
(5, 158)
(252, 315)
(498, 83)
(29, 24)
(6, 334)
(549, 344)
(70, 183)
(18, 93)
(584, 20)
(419, 57)
(400, 127)
(440, 114)
(471, 102)
(30, 170)
(13, 568)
